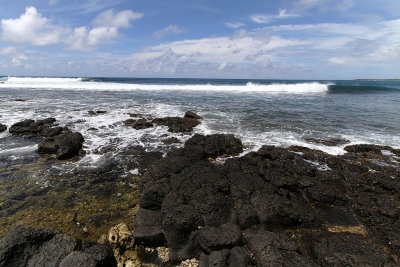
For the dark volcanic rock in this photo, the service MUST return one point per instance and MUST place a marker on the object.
(26, 246)
(192, 115)
(2, 127)
(172, 140)
(142, 124)
(365, 148)
(328, 142)
(97, 112)
(66, 145)
(129, 122)
(216, 145)
(177, 124)
(274, 248)
(277, 203)
(31, 128)
(148, 228)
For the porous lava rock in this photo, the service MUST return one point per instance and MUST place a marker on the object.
(283, 206)
(178, 124)
(65, 145)
(2, 127)
(26, 246)
(31, 129)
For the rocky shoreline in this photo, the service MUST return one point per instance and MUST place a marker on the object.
(271, 207)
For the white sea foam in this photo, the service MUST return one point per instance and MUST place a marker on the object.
(80, 84)
(18, 150)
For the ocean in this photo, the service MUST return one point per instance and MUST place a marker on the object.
(86, 196)
(272, 112)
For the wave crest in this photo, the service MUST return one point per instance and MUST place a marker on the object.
(95, 84)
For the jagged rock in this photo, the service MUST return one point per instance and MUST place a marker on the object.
(177, 124)
(129, 122)
(216, 145)
(31, 128)
(2, 128)
(148, 228)
(192, 115)
(275, 201)
(96, 112)
(142, 124)
(172, 140)
(26, 246)
(346, 249)
(328, 141)
(217, 238)
(274, 248)
(66, 145)
(366, 148)
(239, 257)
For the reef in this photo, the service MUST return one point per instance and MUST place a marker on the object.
(203, 204)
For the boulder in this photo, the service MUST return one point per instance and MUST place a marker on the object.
(31, 128)
(217, 238)
(66, 145)
(192, 115)
(179, 125)
(2, 128)
(26, 246)
(148, 230)
(216, 145)
(142, 124)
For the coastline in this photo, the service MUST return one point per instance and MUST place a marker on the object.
(293, 194)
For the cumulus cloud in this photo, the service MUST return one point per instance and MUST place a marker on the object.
(119, 20)
(264, 18)
(274, 51)
(170, 29)
(85, 39)
(31, 28)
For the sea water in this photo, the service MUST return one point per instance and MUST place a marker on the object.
(259, 112)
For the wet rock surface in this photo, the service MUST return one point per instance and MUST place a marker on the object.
(52, 138)
(66, 145)
(273, 207)
(179, 125)
(2, 127)
(31, 129)
(328, 142)
(26, 246)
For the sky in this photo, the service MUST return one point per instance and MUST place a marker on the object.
(275, 39)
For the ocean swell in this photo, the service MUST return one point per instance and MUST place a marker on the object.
(99, 85)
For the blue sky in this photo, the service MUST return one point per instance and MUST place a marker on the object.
(276, 39)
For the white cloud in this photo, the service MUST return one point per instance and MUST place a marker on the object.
(234, 25)
(52, 2)
(170, 29)
(264, 18)
(31, 28)
(14, 57)
(274, 51)
(118, 20)
(85, 39)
